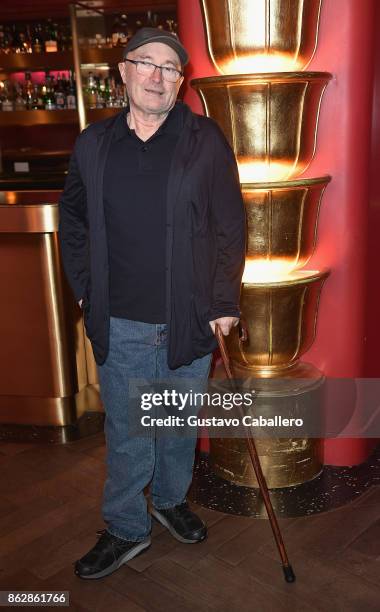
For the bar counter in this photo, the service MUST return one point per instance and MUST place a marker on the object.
(31, 182)
(48, 375)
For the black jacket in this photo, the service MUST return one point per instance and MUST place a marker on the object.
(205, 239)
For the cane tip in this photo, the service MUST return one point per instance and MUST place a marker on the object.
(288, 573)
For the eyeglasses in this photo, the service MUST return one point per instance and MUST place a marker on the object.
(147, 69)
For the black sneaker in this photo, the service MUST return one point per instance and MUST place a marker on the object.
(108, 554)
(182, 523)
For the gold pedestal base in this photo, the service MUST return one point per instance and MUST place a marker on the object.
(286, 462)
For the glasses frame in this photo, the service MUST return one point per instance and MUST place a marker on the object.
(137, 62)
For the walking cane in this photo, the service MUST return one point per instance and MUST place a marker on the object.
(287, 568)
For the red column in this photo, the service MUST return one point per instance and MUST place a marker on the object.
(346, 49)
(372, 357)
(346, 45)
(192, 35)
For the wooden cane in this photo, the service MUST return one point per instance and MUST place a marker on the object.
(287, 568)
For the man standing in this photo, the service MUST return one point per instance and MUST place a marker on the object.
(152, 233)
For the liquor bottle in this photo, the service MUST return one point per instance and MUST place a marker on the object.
(170, 23)
(2, 39)
(63, 39)
(149, 19)
(99, 41)
(38, 40)
(24, 43)
(48, 91)
(71, 100)
(112, 93)
(115, 34)
(7, 102)
(7, 41)
(100, 87)
(16, 42)
(124, 31)
(121, 99)
(91, 91)
(37, 101)
(51, 38)
(28, 40)
(20, 102)
(58, 36)
(107, 93)
(59, 94)
(68, 37)
(28, 91)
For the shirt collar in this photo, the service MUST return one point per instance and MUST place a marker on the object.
(172, 125)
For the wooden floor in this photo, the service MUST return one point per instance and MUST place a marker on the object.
(50, 512)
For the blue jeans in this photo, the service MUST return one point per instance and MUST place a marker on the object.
(139, 350)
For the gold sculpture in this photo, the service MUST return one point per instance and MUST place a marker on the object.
(270, 120)
(247, 36)
(268, 109)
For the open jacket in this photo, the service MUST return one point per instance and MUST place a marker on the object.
(205, 236)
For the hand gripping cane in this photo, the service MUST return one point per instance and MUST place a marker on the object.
(288, 570)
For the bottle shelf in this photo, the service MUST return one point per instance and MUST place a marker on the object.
(59, 60)
(111, 55)
(52, 117)
(17, 62)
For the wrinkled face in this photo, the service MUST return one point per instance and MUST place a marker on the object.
(151, 94)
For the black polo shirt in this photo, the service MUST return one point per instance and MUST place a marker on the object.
(135, 184)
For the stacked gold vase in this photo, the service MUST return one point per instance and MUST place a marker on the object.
(268, 108)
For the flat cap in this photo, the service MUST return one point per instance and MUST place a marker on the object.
(144, 36)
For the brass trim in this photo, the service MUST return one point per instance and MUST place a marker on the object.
(286, 184)
(54, 301)
(35, 218)
(44, 411)
(77, 68)
(260, 77)
(300, 277)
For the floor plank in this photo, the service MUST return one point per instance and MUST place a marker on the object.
(220, 533)
(320, 584)
(242, 592)
(239, 547)
(50, 510)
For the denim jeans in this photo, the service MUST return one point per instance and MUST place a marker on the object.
(139, 350)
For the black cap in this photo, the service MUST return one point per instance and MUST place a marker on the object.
(148, 35)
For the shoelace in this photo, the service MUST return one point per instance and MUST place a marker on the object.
(113, 541)
(180, 508)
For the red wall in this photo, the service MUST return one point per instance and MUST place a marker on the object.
(372, 330)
